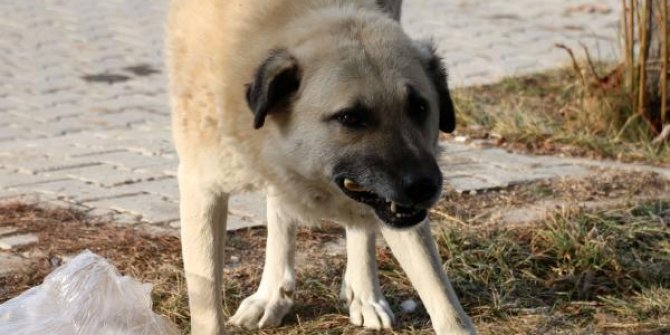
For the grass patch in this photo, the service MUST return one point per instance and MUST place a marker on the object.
(551, 113)
(598, 269)
(577, 272)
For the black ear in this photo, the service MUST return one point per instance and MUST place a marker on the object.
(275, 84)
(392, 7)
(438, 73)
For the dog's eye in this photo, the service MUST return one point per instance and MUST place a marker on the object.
(352, 119)
(417, 106)
(421, 107)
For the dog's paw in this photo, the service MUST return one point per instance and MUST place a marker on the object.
(367, 309)
(262, 310)
(452, 325)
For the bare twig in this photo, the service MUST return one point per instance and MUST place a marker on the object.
(592, 66)
(627, 28)
(632, 70)
(448, 217)
(663, 136)
(645, 36)
(664, 65)
(625, 126)
(575, 64)
(624, 30)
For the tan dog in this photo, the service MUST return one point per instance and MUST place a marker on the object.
(332, 110)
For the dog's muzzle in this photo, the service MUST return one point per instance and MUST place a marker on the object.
(406, 209)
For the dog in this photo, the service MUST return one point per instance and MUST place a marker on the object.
(332, 110)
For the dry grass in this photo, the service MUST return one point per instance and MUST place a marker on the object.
(575, 267)
(553, 113)
(576, 272)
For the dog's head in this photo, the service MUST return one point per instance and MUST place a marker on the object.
(355, 103)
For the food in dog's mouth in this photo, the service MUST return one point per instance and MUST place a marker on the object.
(389, 211)
(352, 186)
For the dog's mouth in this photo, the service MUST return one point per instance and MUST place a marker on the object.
(390, 212)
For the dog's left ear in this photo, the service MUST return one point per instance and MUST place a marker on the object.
(275, 84)
(437, 72)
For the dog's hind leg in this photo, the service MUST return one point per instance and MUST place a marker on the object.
(274, 297)
(416, 251)
(360, 287)
(203, 225)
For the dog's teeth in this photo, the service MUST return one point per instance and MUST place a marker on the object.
(394, 207)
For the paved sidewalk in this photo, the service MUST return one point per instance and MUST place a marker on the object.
(84, 119)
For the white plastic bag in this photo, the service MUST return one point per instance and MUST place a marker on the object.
(85, 296)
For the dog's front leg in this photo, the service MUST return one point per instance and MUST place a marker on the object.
(416, 251)
(203, 227)
(360, 287)
(274, 297)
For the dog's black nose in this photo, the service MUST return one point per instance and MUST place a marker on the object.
(420, 189)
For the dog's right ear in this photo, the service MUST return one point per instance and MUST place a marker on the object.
(275, 84)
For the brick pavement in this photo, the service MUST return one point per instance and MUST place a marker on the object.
(84, 118)
(486, 40)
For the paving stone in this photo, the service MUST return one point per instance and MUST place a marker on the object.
(17, 241)
(494, 168)
(9, 179)
(129, 160)
(246, 210)
(101, 213)
(40, 147)
(166, 187)
(107, 176)
(128, 219)
(165, 169)
(73, 189)
(36, 164)
(472, 183)
(4, 231)
(10, 133)
(58, 128)
(150, 207)
(115, 120)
